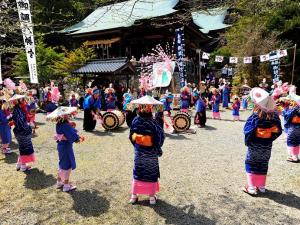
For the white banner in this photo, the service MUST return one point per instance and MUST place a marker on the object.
(205, 55)
(233, 60)
(264, 58)
(1, 81)
(162, 73)
(282, 53)
(27, 30)
(219, 58)
(247, 60)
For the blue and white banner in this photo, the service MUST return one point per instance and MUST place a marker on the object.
(180, 55)
(275, 65)
(27, 30)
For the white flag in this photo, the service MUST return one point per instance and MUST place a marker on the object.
(1, 81)
(205, 55)
(219, 58)
(282, 53)
(247, 60)
(233, 59)
(264, 58)
(27, 30)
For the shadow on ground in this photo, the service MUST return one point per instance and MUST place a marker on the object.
(177, 215)
(11, 158)
(209, 128)
(288, 199)
(176, 136)
(100, 133)
(38, 180)
(89, 203)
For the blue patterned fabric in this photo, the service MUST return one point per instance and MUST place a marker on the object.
(22, 132)
(225, 97)
(91, 103)
(216, 103)
(73, 103)
(50, 107)
(5, 133)
(65, 148)
(110, 101)
(236, 109)
(146, 165)
(185, 100)
(292, 129)
(127, 99)
(200, 105)
(167, 101)
(244, 103)
(259, 149)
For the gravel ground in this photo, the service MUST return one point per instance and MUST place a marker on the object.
(201, 177)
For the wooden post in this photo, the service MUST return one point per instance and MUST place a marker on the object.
(294, 62)
(173, 84)
(200, 67)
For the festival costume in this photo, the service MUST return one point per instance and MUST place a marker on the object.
(90, 106)
(245, 102)
(65, 136)
(216, 99)
(110, 100)
(5, 132)
(73, 102)
(292, 128)
(236, 110)
(23, 134)
(200, 117)
(225, 96)
(147, 137)
(185, 101)
(261, 129)
(50, 106)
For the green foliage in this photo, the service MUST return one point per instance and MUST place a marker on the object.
(45, 56)
(263, 26)
(73, 60)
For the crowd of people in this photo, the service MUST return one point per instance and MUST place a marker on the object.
(18, 106)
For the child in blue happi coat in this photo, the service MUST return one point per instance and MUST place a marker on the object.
(261, 129)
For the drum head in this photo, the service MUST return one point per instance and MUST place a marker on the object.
(181, 122)
(110, 121)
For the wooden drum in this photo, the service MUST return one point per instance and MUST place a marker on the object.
(181, 122)
(113, 120)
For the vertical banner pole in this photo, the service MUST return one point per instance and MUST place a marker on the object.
(294, 62)
(27, 30)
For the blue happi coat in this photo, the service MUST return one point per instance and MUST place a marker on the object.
(236, 108)
(146, 165)
(65, 147)
(244, 103)
(216, 103)
(50, 107)
(73, 103)
(200, 105)
(5, 133)
(22, 132)
(127, 98)
(292, 129)
(225, 97)
(185, 98)
(110, 101)
(259, 149)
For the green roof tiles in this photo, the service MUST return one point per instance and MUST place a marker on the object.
(210, 20)
(123, 14)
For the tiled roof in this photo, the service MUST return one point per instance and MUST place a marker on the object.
(123, 14)
(211, 19)
(103, 66)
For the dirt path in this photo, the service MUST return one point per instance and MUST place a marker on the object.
(201, 176)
